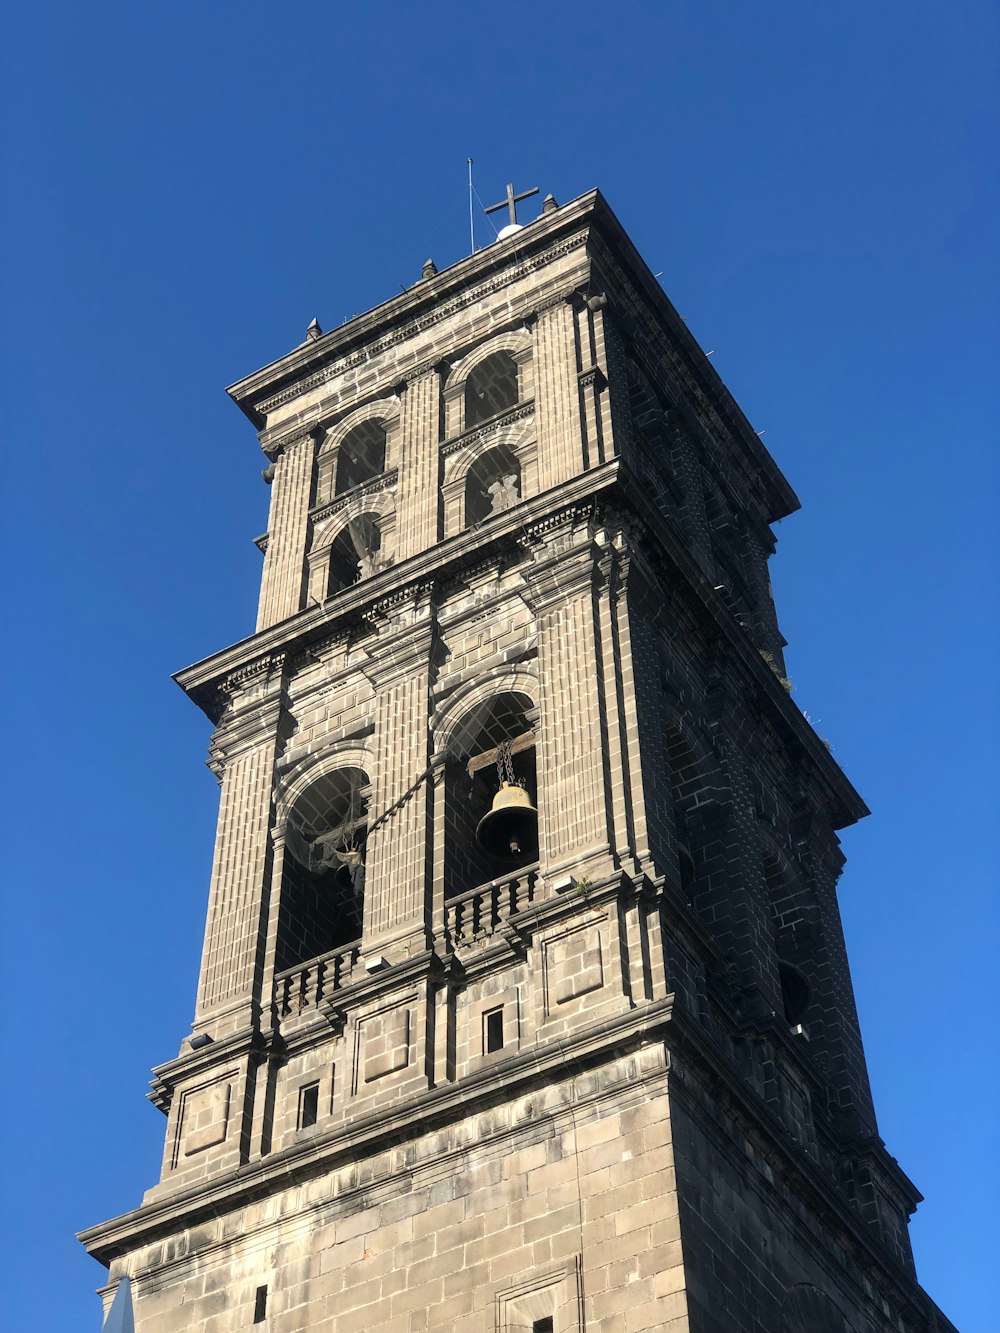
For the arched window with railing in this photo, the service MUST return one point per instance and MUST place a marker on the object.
(490, 793)
(321, 906)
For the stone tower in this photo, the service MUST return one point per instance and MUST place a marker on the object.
(455, 1067)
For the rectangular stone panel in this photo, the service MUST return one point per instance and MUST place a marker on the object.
(204, 1118)
(384, 1042)
(573, 965)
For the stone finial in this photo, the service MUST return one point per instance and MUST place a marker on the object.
(314, 331)
(429, 269)
(549, 204)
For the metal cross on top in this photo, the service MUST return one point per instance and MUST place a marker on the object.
(511, 203)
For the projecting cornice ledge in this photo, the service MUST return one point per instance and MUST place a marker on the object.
(371, 1134)
(205, 681)
(408, 313)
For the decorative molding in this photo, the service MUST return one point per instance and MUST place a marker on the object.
(533, 533)
(413, 327)
(275, 448)
(266, 665)
(384, 608)
(211, 1059)
(451, 556)
(384, 481)
(570, 298)
(499, 423)
(625, 1049)
(594, 377)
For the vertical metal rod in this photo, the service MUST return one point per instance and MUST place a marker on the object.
(472, 224)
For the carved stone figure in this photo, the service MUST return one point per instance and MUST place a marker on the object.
(503, 493)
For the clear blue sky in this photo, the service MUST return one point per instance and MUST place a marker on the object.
(188, 184)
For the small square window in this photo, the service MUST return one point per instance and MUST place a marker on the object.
(308, 1105)
(543, 1325)
(493, 1030)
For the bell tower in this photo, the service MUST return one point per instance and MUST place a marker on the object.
(524, 1002)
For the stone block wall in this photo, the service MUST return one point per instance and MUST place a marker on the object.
(568, 1089)
(560, 1203)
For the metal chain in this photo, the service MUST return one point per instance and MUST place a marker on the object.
(505, 765)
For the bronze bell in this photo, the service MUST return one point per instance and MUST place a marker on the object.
(510, 828)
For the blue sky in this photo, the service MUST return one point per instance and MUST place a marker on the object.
(189, 184)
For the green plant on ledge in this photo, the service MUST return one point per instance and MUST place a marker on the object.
(783, 681)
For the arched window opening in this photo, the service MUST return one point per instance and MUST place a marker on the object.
(795, 993)
(493, 756)
(355, 554)
(493, 485)
(361, 456)
(323, 872)
(490, 389)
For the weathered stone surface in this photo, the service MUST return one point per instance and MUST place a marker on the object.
(614, 1081)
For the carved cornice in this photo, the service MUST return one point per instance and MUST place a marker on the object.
(195, 1062)
(274, 448)
(630, 1036)
(469, 437)
(410, 594)
(567, 516)
(243, 729)
(318, 649)
(237, 680)
(200, 681)
(494, 564)
(383, 482)
(592, 378)
(420, 323)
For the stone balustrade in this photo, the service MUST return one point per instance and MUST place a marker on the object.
(478, 913)
(306, 984)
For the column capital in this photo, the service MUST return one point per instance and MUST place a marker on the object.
(403, 382)
(405, 623)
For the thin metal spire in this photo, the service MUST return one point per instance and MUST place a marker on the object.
(120, 1317)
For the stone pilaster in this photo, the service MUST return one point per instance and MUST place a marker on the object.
(557, 396)
(688, 469)
(281, 587)
(756, 550)
(397, 880)
(572, 800)
(417, 522)
(244, 752)
(819, 854)
(635, 751)
(738, 896)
